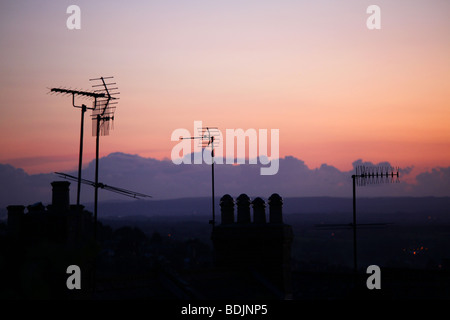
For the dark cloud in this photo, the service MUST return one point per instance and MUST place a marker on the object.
(164, 180)
(18, 187)
(434, 183)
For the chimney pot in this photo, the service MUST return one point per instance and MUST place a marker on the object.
(243, 209)
(259, 210)
(227, 209)
(275, 208)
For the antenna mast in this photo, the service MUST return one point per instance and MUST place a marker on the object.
(208, 136)
(102, 114)
(366, 176)
(83, 107)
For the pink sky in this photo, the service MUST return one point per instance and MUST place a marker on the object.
(336, 90)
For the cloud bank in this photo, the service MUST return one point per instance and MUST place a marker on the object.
(164, 180)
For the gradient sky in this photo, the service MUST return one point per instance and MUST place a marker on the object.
(336, 90)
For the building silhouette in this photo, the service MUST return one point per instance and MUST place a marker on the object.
(41, 242)
(258, 246)
(60, 222)
(250, 255)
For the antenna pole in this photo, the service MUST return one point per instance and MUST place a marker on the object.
(96, 176)
(96, 197)
(80, 160)
(207, 140)
(365, 176)
(354, 226)
(213, 221)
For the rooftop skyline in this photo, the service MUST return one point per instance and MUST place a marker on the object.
(336, 90)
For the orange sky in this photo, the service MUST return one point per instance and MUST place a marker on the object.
(336, 90)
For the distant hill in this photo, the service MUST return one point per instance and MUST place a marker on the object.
(392, 208)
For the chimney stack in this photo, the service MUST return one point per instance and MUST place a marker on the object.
(60, 196)
(261, 247)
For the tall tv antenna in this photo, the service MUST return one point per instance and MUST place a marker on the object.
(367, 176)
(83, 94)
(209, 136)
(102, 117)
